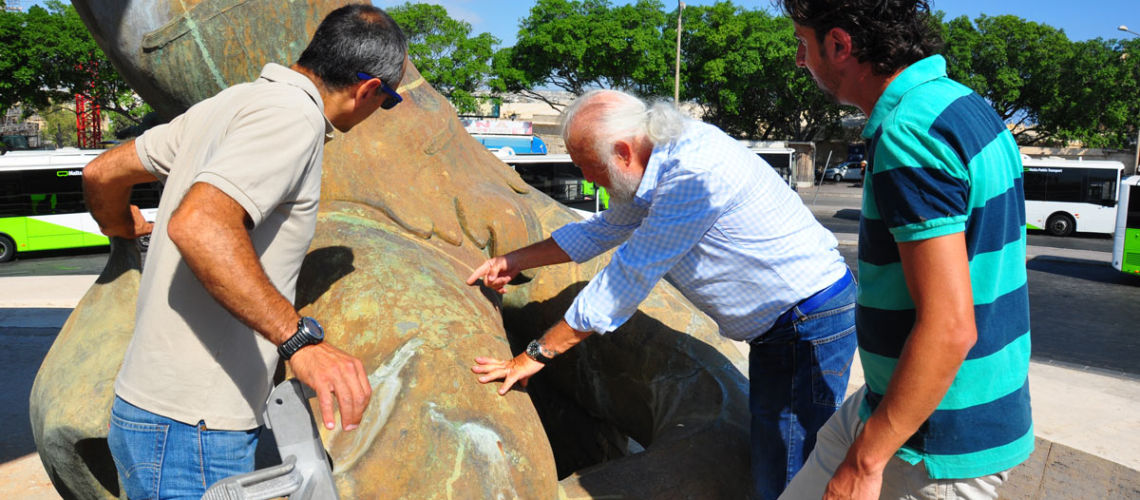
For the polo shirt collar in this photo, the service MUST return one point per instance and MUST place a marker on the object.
(925, 70)
(277, 73)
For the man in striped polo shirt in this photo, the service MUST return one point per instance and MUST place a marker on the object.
(942, 312)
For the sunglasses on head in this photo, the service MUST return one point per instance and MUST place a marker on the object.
(394, 97)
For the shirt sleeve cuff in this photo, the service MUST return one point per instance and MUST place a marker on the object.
(234, 192)
(926, 231)
(578, 319)
(144, 157)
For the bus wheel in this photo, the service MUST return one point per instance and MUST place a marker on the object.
(7, 248)
(1060, 225)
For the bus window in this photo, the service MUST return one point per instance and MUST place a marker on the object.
(12, 199)
(1065, 186)
(1101, 187)
(1035, 183)
(1134, 207)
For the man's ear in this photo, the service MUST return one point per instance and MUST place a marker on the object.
(367, 89)
(624, 151)
(838, 42)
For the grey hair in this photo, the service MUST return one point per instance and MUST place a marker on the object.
(623, 116)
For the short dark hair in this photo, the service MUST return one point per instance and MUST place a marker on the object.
(889, 34)
(357, 38)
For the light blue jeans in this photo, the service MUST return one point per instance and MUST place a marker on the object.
(797, 379)
(160, 458)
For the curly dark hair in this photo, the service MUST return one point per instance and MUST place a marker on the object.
(890, 34)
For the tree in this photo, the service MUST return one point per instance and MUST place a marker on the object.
(456, 63)
(740, 65)
(1051, 90)
(581, 44)
(1096, 100)
(1017, 65)
(51, 56)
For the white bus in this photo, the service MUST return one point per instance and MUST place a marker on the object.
(41, 202)
(558, 177)
(1063, 196)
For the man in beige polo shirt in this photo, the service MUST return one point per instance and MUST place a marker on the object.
(242, 174)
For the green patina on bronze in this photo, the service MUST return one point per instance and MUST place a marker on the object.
(410, 205)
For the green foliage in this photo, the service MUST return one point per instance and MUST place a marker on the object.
(59, 126)
(51, 56)
(456, 63)
(740, 66)
(737, 64)
(578, 45)
(1050, 89)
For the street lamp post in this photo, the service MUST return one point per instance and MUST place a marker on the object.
(1137, 164)
(677, 67)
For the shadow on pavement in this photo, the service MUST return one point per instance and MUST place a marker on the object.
(1089, 270)
(27, 335)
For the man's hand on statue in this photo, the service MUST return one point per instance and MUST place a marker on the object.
(332, 372)
(518, 369)
(495, 272)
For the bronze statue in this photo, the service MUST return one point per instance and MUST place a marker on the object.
(410, 205)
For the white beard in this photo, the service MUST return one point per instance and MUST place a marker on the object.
(624, 185)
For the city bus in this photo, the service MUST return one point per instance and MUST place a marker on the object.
(1126, 242)
(558, 177)
(41, 202)
(1066, 196)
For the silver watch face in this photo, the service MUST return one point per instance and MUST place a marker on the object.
(313, 328)
(534, 351)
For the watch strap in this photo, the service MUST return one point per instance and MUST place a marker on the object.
(535, 351)
(300, 339)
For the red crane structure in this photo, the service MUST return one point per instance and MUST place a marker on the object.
(88, 122)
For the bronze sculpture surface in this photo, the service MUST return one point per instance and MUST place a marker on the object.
(410, 204)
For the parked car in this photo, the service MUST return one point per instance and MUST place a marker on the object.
(846, 171)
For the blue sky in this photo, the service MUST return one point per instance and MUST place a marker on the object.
(1081, 20)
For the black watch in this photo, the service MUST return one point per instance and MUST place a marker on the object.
(309, 332)
(535, 351)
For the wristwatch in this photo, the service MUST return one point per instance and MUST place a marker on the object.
(309, 332)
(535, 351)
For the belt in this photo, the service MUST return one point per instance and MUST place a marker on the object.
(810, 304)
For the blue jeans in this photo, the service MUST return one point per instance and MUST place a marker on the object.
(797, 379)
(162, 458)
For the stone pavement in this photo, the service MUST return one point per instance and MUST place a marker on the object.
(1087, 424)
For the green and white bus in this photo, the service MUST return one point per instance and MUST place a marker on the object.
(41, 202)
(1126, 243)
(1064, 196)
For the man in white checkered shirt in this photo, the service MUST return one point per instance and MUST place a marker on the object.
(692, 205)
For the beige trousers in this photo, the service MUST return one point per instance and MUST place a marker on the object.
(901, 480)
